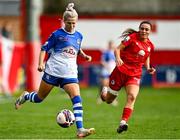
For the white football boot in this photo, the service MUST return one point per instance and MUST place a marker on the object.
(21, 100)
(85, 132)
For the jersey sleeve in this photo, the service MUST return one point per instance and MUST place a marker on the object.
(49, 43)
(152, 48)
(127, 41)
(81, 38)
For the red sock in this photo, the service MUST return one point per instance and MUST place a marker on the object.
(126, 114)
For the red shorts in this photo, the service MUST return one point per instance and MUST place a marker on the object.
(119, 79)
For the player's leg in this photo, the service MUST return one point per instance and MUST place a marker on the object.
(74, 92)
(109, 94)
(104, 82)
(132, 91)
(37, 97)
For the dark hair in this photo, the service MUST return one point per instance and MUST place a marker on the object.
(130, 31)
(145, 22)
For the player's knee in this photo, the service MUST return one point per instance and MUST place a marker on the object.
(131, 97)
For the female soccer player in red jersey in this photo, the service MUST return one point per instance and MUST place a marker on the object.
(132, 53)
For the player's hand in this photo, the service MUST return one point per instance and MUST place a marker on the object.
(119, 62)
(88, 58)
(41, 67)
(151, 70)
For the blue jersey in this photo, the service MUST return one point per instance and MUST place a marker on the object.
(108, 56)
(108, 59)
(63, 48)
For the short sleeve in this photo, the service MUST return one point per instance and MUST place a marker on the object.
(81, 38)
(49, 43)
(152, 46)
(126, 41)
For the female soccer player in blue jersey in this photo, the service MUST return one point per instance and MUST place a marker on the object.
(63, 47)
(107, 65)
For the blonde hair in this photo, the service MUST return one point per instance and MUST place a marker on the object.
(70, 12)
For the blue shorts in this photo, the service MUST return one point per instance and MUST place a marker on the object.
(56, 81)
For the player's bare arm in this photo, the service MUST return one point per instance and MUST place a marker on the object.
(41, 65)
(150, 69)
(82, 53)
(119, 61)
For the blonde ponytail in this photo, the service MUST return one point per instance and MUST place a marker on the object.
(70, 12)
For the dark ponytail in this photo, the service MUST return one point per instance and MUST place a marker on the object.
(127, 32)
(130, 30)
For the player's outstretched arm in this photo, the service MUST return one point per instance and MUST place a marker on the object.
(150, 69)
(85, 56)
(117, 50)
(41, 65)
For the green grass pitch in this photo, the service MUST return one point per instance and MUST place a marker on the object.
(156, 116)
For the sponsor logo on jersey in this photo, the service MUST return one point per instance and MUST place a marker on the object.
(141, 52)
(69, 52)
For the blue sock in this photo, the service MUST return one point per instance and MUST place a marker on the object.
(78, 111)
(33, 97)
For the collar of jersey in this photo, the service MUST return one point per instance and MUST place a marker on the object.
(67, 31)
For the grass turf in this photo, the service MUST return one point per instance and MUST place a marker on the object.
(156, 116)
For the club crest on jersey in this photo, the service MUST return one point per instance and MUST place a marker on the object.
(112, 82)
(149, 49)
(141, 52)
(78, 41)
